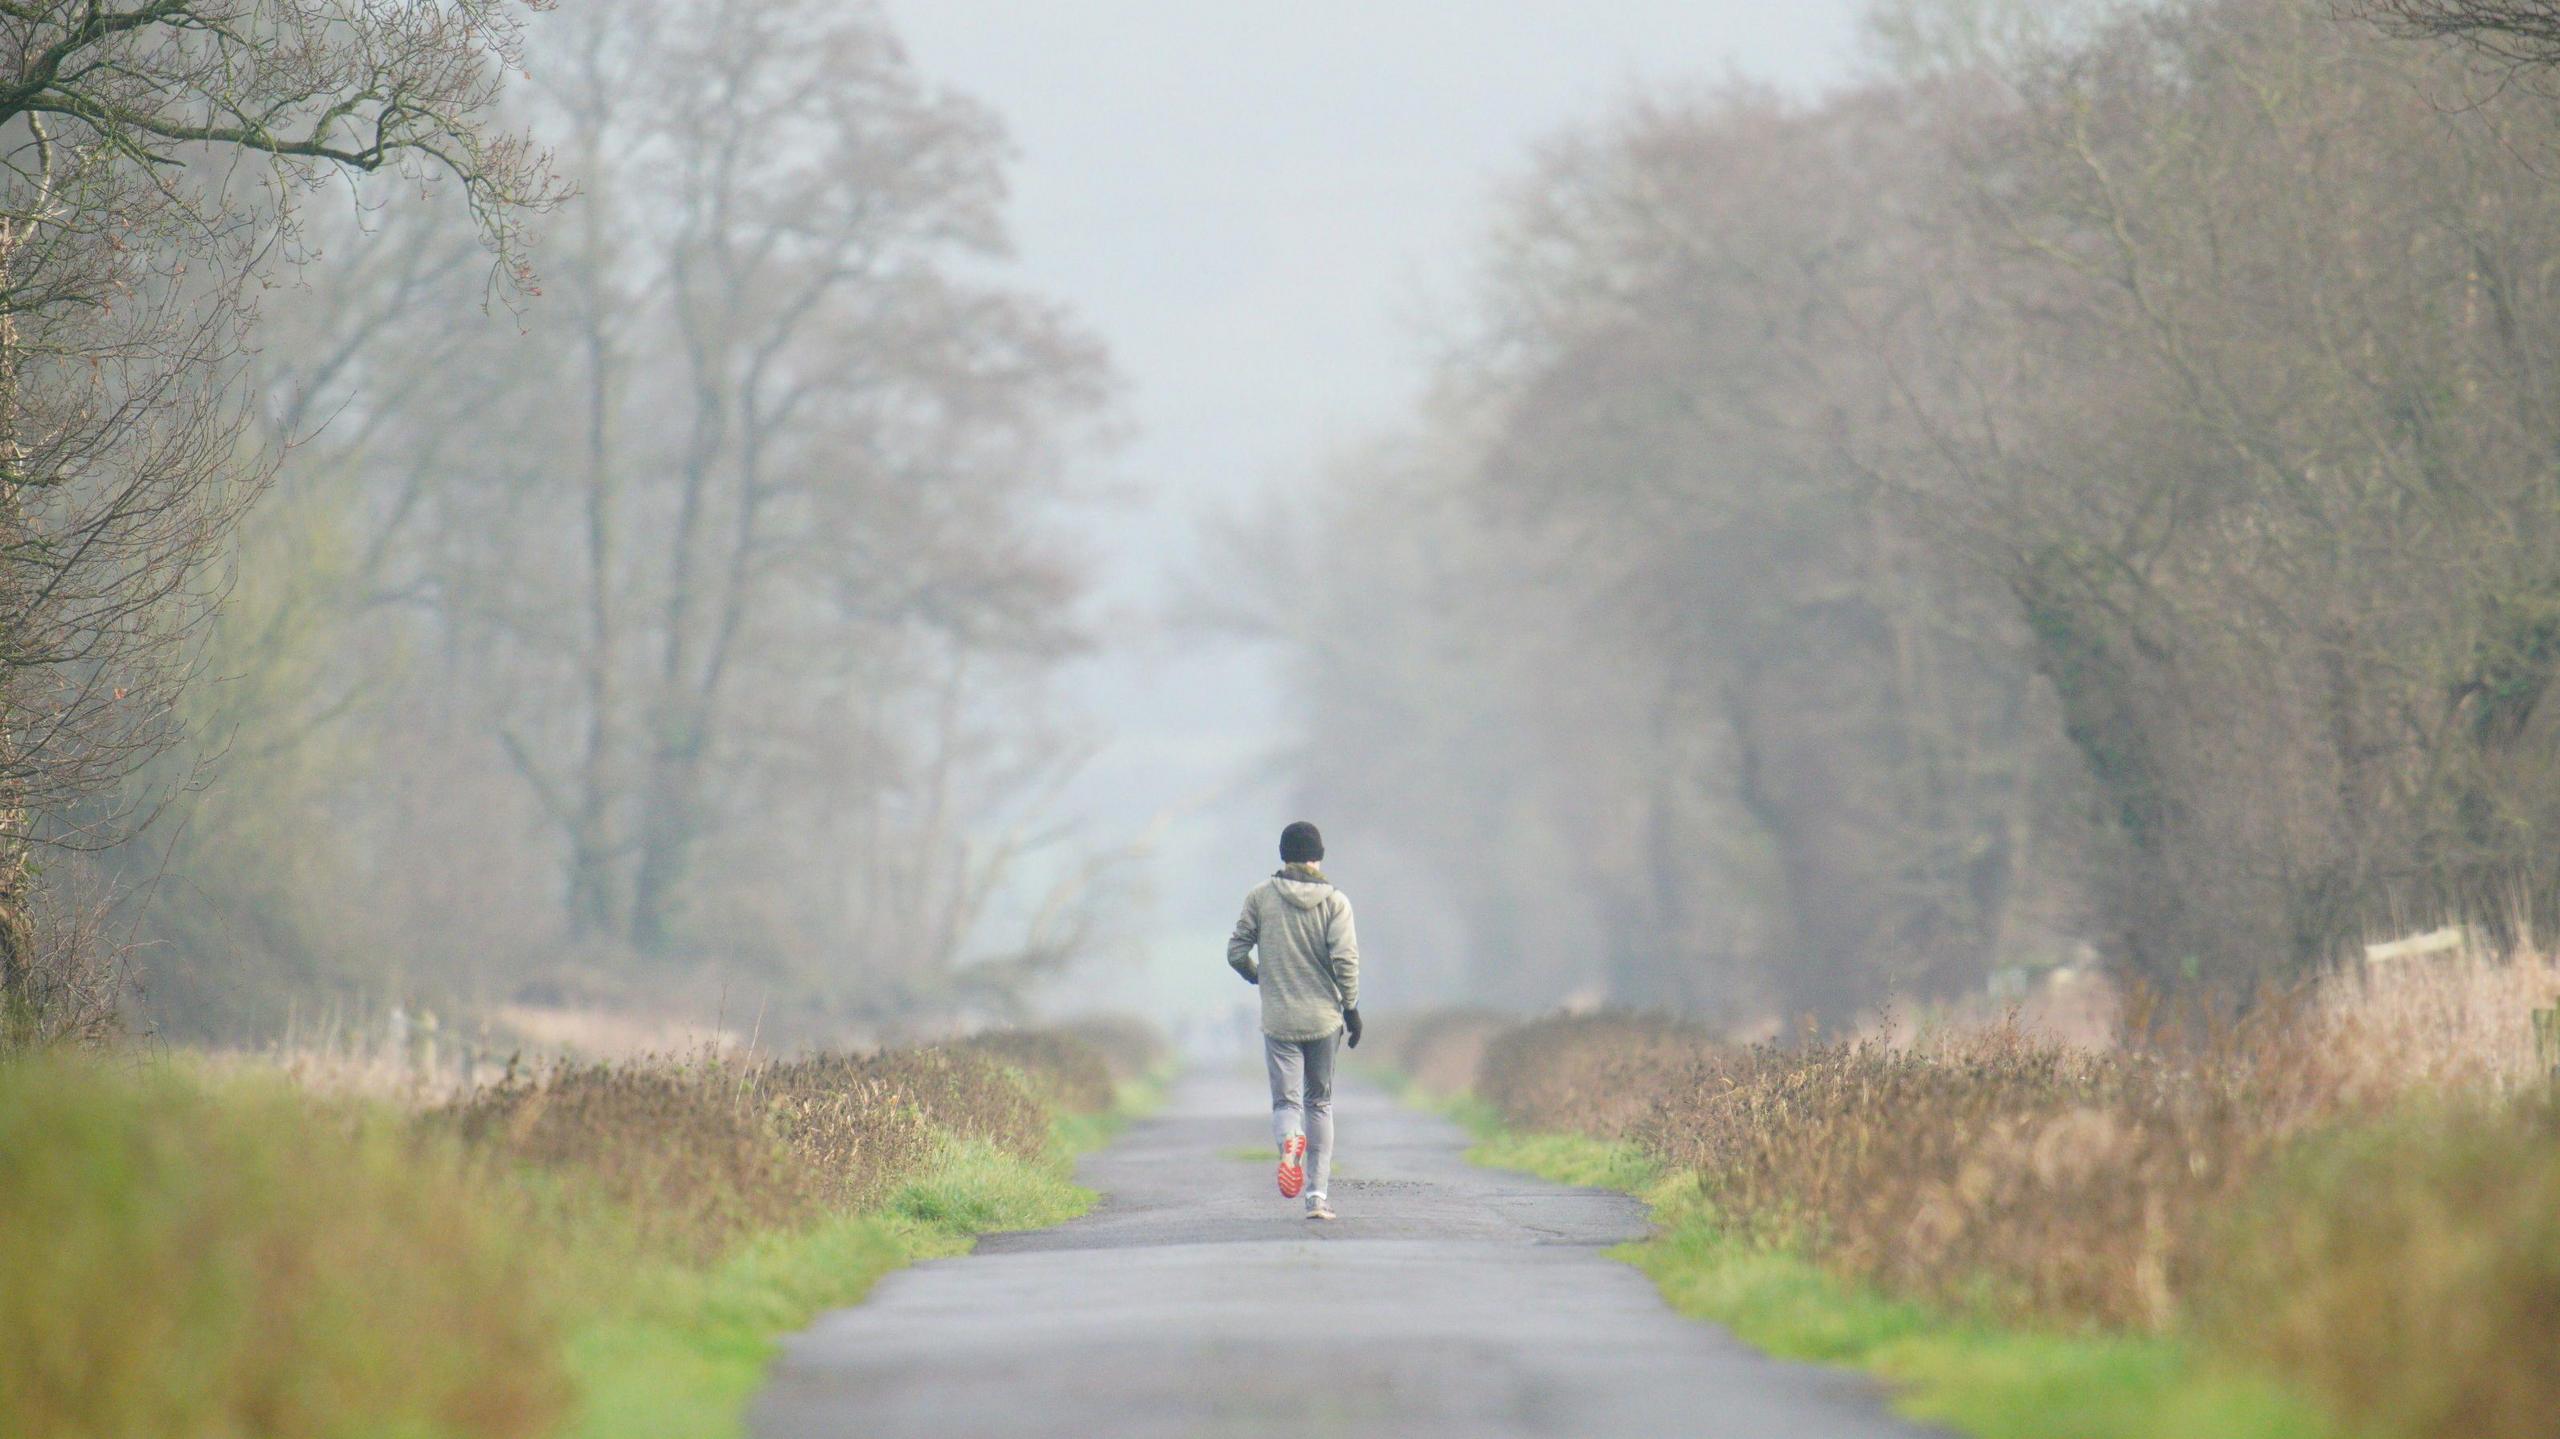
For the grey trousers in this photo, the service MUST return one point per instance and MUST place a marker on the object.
(1302, 1101)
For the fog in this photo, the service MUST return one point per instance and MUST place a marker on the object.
(1270, 219)
(648, 648)
(844, 522)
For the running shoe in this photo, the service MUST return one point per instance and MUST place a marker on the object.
(1321, 1210)
(1293, 1175)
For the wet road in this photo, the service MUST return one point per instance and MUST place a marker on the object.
(1193, 1301)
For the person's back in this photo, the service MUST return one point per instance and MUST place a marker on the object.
(1309, 972)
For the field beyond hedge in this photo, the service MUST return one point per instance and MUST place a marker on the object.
(605, 1251)
(2339, 1216)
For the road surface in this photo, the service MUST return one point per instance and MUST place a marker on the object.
(1193, 1301)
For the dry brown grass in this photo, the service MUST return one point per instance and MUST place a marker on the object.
(589, 1032)
(1593, 1073)
(1439, 1051)
(2386, 1030)
(703, 1152)
(2356, 1183)
(685, 1150)
(853, 1128)
(1983, 1168)
(970, 1094)
(1071, 1070)
(375, 1073)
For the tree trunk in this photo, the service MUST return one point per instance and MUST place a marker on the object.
(17, 937)
(591, 845)
(667, 824)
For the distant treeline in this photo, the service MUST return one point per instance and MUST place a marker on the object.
(2091, 484)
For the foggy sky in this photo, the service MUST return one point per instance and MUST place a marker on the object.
(1259, 208)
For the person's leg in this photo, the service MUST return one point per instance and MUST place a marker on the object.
(1288, 1089)
(1319, 1115)
(1287, 1064)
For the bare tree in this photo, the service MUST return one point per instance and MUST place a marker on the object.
(737, 645)
(2103, 493)
(150, 153)
(2238, 381)
(2521, 32)
(780, 456)
(1779, 744)
(118, 89)
(841, 398)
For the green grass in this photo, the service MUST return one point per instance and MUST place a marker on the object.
(1980, 1379)
(684, 1355)
(1567, 1159)
(682, 1358)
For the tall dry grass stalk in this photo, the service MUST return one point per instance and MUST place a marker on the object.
(1597, 1073)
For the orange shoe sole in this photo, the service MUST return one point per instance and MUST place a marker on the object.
(1293, 1175)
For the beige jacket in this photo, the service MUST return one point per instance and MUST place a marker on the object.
(1310, 957)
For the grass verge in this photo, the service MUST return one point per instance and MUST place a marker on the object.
(2350, 1190)
(1993, 1381)
(684, 1356)
(604, 1252)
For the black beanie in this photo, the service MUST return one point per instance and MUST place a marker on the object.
(1300, 844)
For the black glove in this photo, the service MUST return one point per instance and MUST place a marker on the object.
(1351, 1024)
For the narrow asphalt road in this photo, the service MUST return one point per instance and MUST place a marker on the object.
(1195, 1302)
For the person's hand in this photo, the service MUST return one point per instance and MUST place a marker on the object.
(1351, 1024)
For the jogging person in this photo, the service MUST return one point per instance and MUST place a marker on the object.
(1310, 978)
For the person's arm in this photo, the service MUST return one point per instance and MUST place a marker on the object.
(1240, 944)
(1344, 944)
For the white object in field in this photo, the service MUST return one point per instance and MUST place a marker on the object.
(2451, 939)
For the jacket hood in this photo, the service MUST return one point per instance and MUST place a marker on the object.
(1302, 885)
